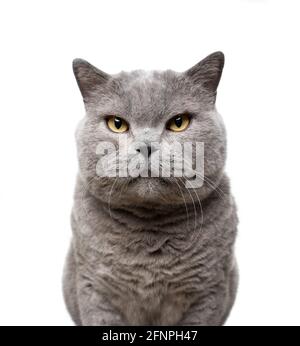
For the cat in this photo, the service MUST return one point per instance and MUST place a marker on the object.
(151, 250)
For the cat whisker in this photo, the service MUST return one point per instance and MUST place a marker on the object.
(185, 204)
(209, 182)
(195, 211)
(84, 190)
(109, 197)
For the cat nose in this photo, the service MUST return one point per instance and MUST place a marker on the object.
(146, 152)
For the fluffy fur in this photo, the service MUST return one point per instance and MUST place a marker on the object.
(149, 251)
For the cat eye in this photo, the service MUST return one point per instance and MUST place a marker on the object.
(178, 123)
(117, 124)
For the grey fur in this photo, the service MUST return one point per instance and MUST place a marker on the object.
(145, 250)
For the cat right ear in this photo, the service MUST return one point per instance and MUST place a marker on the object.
(88, 77)
(208, 71)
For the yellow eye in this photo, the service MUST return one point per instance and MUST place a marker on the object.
(178, 123)
(117, 124)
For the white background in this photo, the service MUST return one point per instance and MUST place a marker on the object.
(40, 106)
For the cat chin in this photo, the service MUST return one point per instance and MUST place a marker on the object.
(147, 187)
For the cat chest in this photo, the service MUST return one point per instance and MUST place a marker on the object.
(155, 294)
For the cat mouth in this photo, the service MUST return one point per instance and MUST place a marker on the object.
(162, 180)
(149, 179)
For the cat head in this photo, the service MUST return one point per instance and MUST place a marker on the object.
(133, 117)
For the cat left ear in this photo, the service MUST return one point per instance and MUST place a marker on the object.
(88, 77)
(208, 71)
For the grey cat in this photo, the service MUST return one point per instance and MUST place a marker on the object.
(149, 250)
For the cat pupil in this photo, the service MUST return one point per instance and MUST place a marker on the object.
(118, 123)
(178, 121)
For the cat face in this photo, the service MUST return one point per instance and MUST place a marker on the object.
(142, 115)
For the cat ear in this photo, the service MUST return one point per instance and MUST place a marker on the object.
(88, 77)
(208, 71)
